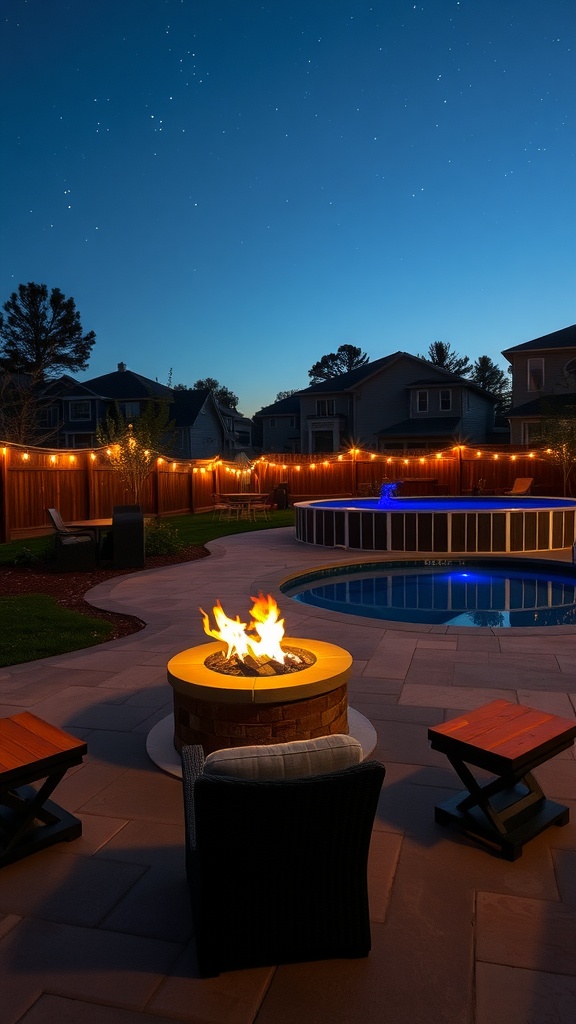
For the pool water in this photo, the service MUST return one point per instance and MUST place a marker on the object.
(454, 594)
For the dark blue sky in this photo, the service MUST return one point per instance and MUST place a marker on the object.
(232, 188)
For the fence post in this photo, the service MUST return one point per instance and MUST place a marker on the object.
(4, 524)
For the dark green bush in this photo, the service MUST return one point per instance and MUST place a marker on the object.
(161, 538)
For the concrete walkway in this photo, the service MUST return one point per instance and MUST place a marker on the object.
(98, 931)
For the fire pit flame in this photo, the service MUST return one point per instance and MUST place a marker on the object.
(259, 639)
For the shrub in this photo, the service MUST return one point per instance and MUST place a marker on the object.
(161, 538)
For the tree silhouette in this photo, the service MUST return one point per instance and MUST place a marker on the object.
(41, 335)
(221, 394)
(347, 357)
(440, 353)
(488, 375)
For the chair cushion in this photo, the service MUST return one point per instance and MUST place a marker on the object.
(294, 760)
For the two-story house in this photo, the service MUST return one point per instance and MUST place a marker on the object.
(399, 401)
(543, 381)
(72, 411)
(277, 426)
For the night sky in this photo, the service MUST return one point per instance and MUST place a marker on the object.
(233, 188)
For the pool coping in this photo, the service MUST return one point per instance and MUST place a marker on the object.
(278, 579)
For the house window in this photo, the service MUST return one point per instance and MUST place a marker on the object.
(130, 409)
(325, 407)
(535, 374)
(79, 410)
(570, 373)
(530, 431)
(422, 401)
(292, 422)
(48, 417)
(445, 400)
(272, 421)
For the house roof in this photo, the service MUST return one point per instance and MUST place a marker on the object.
(349, 381)
(545, 404)
(58, 385)
(566, 338)
(187, 405)
(439, 426)
(127, 385)
(285, 407)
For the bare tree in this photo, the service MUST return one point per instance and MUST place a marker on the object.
(133, 447)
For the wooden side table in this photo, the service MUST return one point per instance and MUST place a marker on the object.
(32, 750)
(507, 740)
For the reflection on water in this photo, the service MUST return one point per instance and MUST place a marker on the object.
(474, 597)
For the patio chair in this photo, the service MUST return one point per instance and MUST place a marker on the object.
(76, 550)
(277, 841)
(521, 485)
(259, 509)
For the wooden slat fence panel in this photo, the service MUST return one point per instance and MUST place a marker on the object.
(82, 484)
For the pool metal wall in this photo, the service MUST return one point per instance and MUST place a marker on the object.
(442, 532)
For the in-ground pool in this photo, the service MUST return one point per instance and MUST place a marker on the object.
(465, 592)
(441, 525)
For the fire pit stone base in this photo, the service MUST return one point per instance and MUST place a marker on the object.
(216, 726)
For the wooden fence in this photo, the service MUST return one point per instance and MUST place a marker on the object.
(83, 485)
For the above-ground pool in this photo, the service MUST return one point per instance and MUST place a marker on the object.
(440, 525)
(489, 592)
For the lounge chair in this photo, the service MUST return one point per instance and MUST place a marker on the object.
(277, 841)
(521, 485)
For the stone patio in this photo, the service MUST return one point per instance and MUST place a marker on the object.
(98, 931)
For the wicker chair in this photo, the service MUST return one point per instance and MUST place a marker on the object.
(277, 860)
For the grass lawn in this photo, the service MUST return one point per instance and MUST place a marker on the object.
(36, 626)
(192, 530)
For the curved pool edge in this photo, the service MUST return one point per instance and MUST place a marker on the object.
(273, 584)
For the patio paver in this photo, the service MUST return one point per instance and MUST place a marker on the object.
(98, 932)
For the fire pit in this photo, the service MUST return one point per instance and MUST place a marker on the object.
(254, 686)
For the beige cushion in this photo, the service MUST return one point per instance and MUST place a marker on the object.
(286, 760)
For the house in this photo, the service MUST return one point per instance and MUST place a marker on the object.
(277, 426)
(400, 401)
(72, 411)
(543, 381)
(238, 428)
(201, 432)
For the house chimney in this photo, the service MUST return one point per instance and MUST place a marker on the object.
(121, 366)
